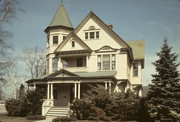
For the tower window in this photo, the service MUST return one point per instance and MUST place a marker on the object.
(64, 37)
(73, 44)
(55, 40)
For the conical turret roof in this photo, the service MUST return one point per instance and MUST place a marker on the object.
(61, 18)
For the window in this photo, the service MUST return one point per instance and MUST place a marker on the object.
(73, 44)
(91, 35)
(86, 35)
(97, 34)
(48, 40)
(113, 62)
(79, 62)
(55, 40)
(92, 28)
(47, 64)
(74, 62)
(55, 64)
(64, 37)
(106, 62)
(135, 69)
(99, 62)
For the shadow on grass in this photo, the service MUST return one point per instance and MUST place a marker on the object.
(5, 118)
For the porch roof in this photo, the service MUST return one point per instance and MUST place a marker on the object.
(64, 74)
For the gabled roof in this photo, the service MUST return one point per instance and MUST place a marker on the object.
(137, 48)
(60, 19)
(72, 35)
(92, 15)
(62, 73)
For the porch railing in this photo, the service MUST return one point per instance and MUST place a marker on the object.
(47, 104)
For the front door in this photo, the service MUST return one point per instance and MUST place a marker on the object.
(62, 97)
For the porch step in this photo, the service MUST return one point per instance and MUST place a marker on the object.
(58, 111)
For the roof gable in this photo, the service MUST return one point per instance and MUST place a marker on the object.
(62, 73)
(120, 41)
(137, 49)
(67, 46)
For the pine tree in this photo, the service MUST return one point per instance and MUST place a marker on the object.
(163, 99)
(22, 92)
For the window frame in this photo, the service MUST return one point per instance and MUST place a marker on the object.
(135, 69)
(55, 40)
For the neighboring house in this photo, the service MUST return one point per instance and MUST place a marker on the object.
(92, 53)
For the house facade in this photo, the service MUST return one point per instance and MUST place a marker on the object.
(92, 53)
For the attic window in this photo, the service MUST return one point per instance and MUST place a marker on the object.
(92, 28)
(73, 44)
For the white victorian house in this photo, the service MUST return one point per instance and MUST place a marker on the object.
(91, 53)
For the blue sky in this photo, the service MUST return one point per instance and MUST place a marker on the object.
(150, 20)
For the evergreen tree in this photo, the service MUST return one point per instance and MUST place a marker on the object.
(163, 99)
(22, 92)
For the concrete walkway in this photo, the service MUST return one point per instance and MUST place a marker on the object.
(48, 119)
(2, 109)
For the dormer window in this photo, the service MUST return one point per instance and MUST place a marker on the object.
(72, 44)
(55, 40)
(92, 33)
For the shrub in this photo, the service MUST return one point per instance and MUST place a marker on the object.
(33, 102)
(63, 119)
(100, 105)
(13, 107)
(81, 109)
(35, 117)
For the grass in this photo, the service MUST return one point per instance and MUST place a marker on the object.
(5, 118)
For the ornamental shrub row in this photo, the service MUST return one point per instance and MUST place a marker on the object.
(29, 105)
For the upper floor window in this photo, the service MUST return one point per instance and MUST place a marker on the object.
(73, 44)
(55, 40)
(86, 35)
(135, 69)
(55, 64)
(113, 62)
(64, 37)
(97, 34)
(92, 33)
(47, 66)
(74, 62)
(106, 62)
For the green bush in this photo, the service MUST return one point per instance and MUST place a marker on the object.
(33, 102)
(63, 119)
(99, 104)
(13, 107)
(35, 117)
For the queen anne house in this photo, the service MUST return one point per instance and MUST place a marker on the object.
(91, 53)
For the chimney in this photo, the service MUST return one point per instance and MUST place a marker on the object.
(110, 26)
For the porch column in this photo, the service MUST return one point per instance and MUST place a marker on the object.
(79, 90)
(110, 87)
(87, 62)
(105, 84)
(48, 91)
(140, 92)
(52, 91)
(34, 86)
(75, 90)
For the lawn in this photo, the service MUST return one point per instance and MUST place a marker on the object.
(5, 118)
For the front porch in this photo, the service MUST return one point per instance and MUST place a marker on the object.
(60, 94)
